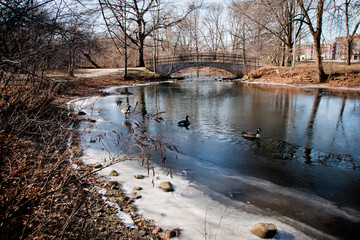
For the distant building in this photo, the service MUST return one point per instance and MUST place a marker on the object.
(306, 51)
(335, 50)
(328, 51)
(341, 48)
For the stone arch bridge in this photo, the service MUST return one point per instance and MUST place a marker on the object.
(235, 64)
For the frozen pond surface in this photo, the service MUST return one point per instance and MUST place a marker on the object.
(303, 174)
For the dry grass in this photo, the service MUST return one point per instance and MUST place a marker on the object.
(33, 156)
(340, 75)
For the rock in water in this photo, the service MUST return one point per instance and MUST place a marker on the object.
(264, 230)
(113, 173)
(166, 186)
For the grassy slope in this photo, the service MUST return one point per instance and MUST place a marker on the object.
(340, 75)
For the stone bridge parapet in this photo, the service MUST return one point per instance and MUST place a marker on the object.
(228, 62)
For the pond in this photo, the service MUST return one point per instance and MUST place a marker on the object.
(305, 166)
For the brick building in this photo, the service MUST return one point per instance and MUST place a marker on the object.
(335, 50)
(341, 48)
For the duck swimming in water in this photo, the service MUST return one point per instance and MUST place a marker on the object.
(184, 123)
(251, 135)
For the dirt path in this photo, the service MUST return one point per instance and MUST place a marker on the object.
(97, 72)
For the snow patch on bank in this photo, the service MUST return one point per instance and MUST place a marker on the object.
(187, 207)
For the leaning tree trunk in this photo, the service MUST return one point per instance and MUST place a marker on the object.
(90, 60)
(322, 77)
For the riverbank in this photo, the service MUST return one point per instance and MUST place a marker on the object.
(92, 81)
(304, 74)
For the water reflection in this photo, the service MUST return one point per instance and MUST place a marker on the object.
(299, 125)
(203, 72)
(315, 126)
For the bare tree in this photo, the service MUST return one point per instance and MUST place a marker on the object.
(26, 32)
(214, 30)
(44, 34)
(189, 29)
(315, 27)
(141, 22)
(276, 17)
(351, 11)
(76, 37)
(240, 30)
(117, 25)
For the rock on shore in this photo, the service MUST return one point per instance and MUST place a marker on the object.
(264, 230)
(166, 186)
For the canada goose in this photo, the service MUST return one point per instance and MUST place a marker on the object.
(185, 122)
(126, 110)
(251, 135)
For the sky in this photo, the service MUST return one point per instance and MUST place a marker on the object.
(330, 31)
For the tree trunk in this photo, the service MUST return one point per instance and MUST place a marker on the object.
(322, 77)
(244, 51)
(283, 55)
(348, 50)
(125, 60)
(141, 55)
(316, 34)
(71, 63)
(289, 53)
(125, 42)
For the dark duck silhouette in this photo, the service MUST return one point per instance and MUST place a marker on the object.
(184, 123)
(251, 135)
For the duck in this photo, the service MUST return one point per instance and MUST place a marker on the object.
(126, 110)
(251, 135)
(185, 122)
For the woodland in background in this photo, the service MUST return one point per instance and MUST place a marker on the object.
(68, 34)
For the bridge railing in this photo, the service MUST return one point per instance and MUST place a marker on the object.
(201, 57)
